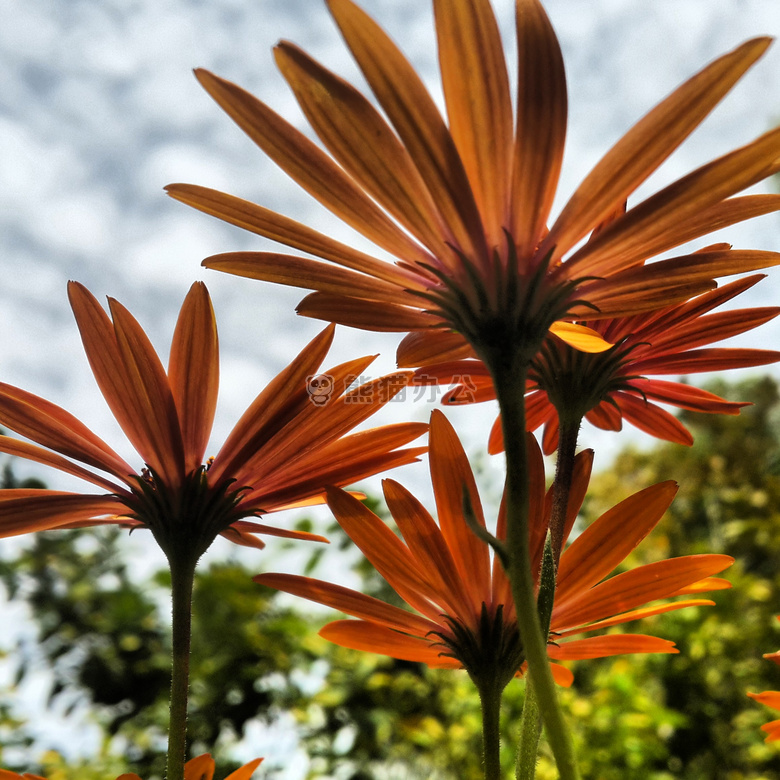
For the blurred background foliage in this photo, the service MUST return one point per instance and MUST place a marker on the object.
(104, 636)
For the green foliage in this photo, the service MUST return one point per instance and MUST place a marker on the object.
(363, 717)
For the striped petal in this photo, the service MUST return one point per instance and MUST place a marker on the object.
(350, 602)
(451, 477)
(367, 315)
(256, 219)
(542, 106)
(607, 541)
(612, 644)
(310, 167)
(193, 370)
(479, 108)
(373, 638)
(649, 142)
(652, 419)
(25, 511)
(417, 121)
(360, 139)
(53, 427)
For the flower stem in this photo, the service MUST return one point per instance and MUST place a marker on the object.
(490, 696)
(530, 732)
(182, 578)
(564, 471)
(509, 377)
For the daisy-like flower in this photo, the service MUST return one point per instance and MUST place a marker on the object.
(464, 614)
(463, 205)
(199, 768)
(289, 444)
(620, 384)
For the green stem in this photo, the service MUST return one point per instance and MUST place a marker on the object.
(182, 578)
(564, 472)
(490, 696)
(530, 732)
(509, 378)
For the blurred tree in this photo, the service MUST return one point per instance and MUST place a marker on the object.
(362, 716)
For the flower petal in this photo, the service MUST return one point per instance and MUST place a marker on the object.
(417, 121)
(373, 638)
(451, 476)
(541, 124)
(246, 771)
(368, 315)
(308, 274)
(269, 224)
(636, 587)
(652, 419)
(606, 542)
(310, 167)
(649, 142)
(479, 108)
(360, 139)
(24, 510)
(350, 602)
(53, 427)
(193, 370)
(612, 644)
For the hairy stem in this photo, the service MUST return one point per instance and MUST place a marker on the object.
(509, 377)
(182, 578)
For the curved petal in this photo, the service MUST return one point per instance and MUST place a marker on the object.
(431, 346)
(624, 242)
(652, 419)
(606, 542)
(151, 395)
(310, 167)
(373, 638)
(686, 396)
(636, 587)
(53, 427)
(367, 315)
(24, 511)
(199, 768)
(360, 139)
(428, 547)
(308, 274)
(580, 337)
(193, 371)
(649, 142)
(23, 449)
(713, 359)
(246, 771)
(451, 477)
(256, 219)
(612, 644)
(479, 108)
(388, 555)
(417, 121)
(290, 384)
(350, 602)
(542, 106)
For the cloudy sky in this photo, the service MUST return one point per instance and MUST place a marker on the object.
(99, 110)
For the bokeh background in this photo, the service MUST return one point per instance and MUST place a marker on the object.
(99, 110)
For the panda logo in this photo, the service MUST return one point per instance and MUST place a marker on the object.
(320, 388)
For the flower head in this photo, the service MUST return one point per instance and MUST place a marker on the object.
(466, 616)
(616, 385)
(284, 450)
(465, 205)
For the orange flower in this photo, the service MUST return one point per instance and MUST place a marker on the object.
(612, 386)
(466, 614)
(200, 768)
(771, 699)
(464, 206)
(286, 447)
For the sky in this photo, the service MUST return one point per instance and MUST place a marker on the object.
(99, 110)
